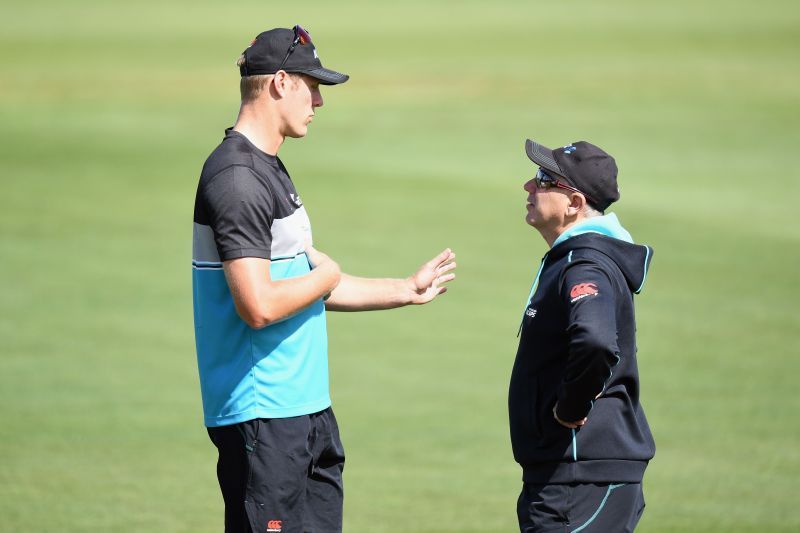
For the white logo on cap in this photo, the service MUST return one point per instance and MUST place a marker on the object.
(315, 54)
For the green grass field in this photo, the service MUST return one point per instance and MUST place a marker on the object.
(109, 109)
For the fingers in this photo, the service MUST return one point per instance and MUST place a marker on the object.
(447, 267)
(445, 256)
(444, 279)
(570, 425)
(442, 264)
(428, 281)
(315, 257)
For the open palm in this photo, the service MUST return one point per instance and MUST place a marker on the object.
(428, 282)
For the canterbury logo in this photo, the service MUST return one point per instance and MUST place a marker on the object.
(582, 290)
(274, 526)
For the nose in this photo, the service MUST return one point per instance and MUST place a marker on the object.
(316, 99)
(530, 186)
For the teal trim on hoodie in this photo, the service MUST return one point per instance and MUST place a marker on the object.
(534, 286)
(644, 278)
(607, 225)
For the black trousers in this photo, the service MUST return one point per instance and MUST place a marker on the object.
(281, 475)
(589, 507)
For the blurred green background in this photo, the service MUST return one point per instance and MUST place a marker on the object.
(109, 109)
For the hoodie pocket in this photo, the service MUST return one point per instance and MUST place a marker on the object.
(552, 435)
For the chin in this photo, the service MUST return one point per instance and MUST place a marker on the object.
(529, 218)
(297, 134)
(533, 221)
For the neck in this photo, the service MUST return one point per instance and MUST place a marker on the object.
(261, 127)
(551, 236)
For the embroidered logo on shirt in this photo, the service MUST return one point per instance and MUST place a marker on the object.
(530, 312)
(582, 290)
(274, 526)
(296, 199)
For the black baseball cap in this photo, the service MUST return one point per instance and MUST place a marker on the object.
(584, 166)
(268, 49)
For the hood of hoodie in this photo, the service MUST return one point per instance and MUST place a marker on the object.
(605, 234)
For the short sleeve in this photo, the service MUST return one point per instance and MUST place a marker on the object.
(240, 208)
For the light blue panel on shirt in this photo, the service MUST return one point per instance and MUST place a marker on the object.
(274, 372)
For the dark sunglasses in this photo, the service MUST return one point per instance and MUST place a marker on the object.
(301, 36)
(545, 181)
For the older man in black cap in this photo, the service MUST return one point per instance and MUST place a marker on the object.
(260, 295)
(577, 427)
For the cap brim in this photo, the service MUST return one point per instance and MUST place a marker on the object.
(542, 156)
(327, 76)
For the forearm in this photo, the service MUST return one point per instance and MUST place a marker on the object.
(369, 294)
(261, 301)
(284, 298)
(588, 369)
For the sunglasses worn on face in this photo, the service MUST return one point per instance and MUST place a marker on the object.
(301, 37)
(545, 181)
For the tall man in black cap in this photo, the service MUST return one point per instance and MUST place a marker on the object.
(577, 428)
(260, 294)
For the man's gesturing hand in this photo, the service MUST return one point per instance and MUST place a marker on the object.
(428, 282)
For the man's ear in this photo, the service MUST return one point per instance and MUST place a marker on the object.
(280, 83)
(576, 204)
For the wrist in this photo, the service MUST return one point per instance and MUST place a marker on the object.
(330, 272)
(409, 291)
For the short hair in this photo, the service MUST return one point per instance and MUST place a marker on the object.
(591, 211)
(251, 86)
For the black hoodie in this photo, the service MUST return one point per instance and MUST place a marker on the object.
(578, 341)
